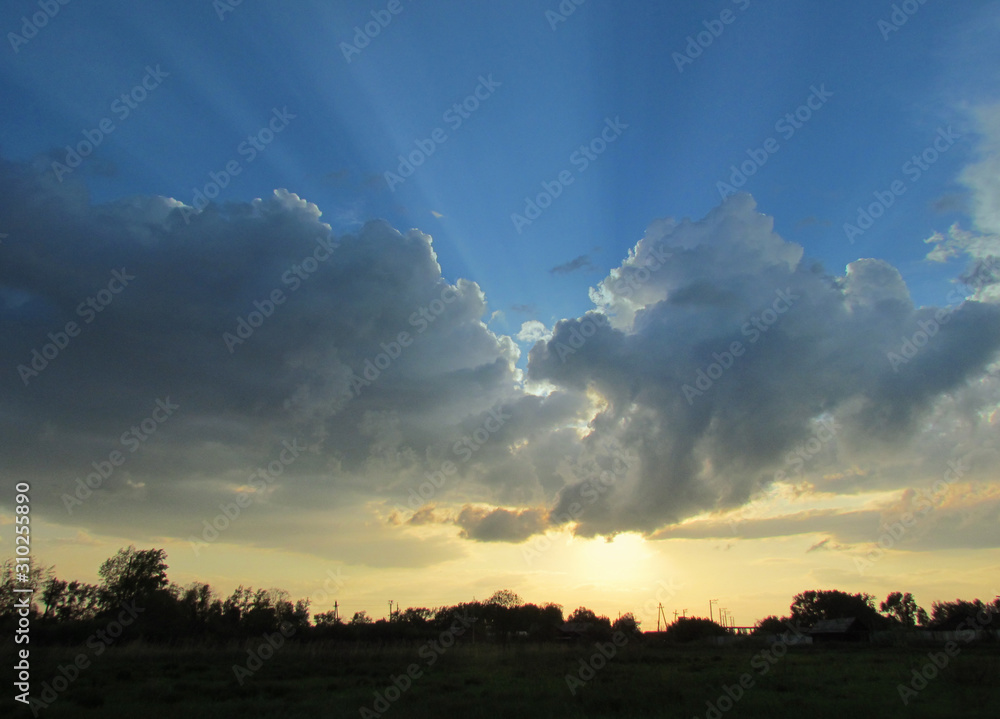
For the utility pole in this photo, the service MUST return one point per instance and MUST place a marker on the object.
(710, 603)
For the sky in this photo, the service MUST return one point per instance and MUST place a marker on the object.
(615, 304)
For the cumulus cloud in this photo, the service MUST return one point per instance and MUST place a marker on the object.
(262, 327)
(981, 245)
(716, 360)
(532, 331)
(347, 374)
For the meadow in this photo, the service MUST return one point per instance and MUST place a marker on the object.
(642, 679)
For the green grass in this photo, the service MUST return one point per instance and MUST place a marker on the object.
(485, 681)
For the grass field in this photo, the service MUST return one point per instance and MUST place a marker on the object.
(473, 681)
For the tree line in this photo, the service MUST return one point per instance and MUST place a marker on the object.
(69, 611)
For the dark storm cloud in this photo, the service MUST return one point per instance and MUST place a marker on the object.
(256, 323)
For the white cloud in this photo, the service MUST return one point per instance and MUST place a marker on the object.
(532, 331)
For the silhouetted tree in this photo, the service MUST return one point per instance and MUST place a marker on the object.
(689, 629)
(327, 619)
(505, 598)
(416, 616)
(772, 625)
(69, 601)
(903, 609)
(628, 625)
(599, 627)
(812, 606)
(960, 614)
(132, 575)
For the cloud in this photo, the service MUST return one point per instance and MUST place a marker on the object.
(810, 345)
(580, 263)
(366, 356)
(532, 331)
(983, 176)
(500, 525)
(951, 202)
(387, 381)
(981, 246)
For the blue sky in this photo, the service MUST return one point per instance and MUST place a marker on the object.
(556, 87)
(667, 120)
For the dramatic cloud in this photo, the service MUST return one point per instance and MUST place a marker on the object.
(260, 331)
(715, 362)
(186, 363)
